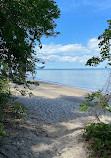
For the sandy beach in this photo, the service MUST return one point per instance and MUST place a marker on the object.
(55, 125)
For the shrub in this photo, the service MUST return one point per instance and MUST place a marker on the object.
(8, 109)
(99, 137)
(98, 134)
(96, 101)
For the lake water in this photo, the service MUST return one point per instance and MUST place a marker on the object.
(80, 78)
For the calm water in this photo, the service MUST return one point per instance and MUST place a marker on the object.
(82, 78)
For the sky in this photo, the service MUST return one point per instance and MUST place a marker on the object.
(80, 23)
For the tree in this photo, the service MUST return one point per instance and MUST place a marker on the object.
(22, 23)
(104, 46)
(98, 133)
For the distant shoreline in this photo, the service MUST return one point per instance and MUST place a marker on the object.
(79, 69)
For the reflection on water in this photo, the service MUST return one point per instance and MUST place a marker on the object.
(85, 79)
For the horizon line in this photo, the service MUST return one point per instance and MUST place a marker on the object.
(76, 69)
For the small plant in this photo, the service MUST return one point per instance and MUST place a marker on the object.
(8, 110)
(2, 132)
(99, 137)
(96, 101)
(33, 83)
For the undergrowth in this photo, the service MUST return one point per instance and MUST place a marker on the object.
(99, 137)
(9, 110)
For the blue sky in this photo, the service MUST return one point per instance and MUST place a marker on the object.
(80, 23)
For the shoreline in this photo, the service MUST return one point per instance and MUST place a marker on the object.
(92, 81)
(60, 84)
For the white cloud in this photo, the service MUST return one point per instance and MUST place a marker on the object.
(70, 59)
(93, 44)
(69, 52)
(99, 5)
(95, 5)
(76, 59)
(72, 49)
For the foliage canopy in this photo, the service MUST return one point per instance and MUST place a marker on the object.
(104, 45)
(22, 24)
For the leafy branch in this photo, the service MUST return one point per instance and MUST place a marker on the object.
(96, 101)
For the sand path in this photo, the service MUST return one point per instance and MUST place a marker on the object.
(54, 127)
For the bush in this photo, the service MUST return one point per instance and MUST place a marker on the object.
(8, 109)
(99, 137)
(98, 134)
(96, 101)
(2, 132)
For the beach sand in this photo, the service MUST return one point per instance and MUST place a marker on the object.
(54, 128)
